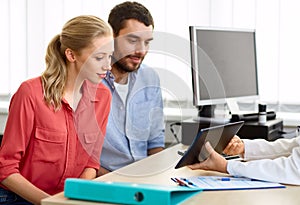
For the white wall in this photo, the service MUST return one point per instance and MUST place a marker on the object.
(28, 25)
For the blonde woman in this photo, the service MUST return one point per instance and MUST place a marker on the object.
(57, 121)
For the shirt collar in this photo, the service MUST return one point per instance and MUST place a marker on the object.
(89, 91)
(110, 77)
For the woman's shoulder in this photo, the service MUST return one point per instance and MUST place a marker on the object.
(31, 85)
(32, 82)
(28, 92)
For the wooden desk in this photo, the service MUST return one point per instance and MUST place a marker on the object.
(158, 169)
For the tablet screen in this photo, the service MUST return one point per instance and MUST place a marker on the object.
(218, 136)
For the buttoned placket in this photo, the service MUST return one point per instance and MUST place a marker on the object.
(124, 108)
(69, 117)
(127, 131)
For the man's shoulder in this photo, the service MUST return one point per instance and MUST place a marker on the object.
(147, 72)
(147, 68)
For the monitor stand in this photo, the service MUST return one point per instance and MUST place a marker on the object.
(206, 113)
(233, 106)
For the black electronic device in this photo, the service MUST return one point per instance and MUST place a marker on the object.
(190, 127)
(224, 68)
(218, 136)
(271, 130)
(271, 115)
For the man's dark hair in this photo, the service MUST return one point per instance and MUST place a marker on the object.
(129, 10)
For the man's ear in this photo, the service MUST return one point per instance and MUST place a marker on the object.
(70, 55)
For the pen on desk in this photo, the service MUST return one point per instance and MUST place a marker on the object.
(179, 182)
(188, 182)
(233, 179)
(224, 179)
(184, 182)
(181, 153)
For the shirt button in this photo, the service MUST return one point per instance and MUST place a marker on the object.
(121, 107)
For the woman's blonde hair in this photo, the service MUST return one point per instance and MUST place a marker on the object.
(77, 34)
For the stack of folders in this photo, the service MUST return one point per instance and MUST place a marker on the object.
(127, 193)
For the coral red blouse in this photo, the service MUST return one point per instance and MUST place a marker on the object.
(45, 146)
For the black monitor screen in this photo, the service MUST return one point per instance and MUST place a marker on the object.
(223, 65)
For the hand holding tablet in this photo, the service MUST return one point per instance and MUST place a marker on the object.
(218, 136)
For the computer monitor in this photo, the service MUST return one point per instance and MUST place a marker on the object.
(224, 67)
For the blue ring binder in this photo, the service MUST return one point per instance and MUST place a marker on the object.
(126, 192)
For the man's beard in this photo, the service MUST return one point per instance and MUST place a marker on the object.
(121, 66)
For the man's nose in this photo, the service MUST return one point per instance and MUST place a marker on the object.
(141, 48)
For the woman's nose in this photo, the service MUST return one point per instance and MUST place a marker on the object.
(107, 67)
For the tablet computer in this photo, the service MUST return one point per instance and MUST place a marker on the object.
(218, 136)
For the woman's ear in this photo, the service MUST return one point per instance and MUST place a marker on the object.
(70, 55)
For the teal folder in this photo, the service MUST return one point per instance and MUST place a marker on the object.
(127, 193)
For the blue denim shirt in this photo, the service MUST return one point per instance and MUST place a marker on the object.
(138, 125)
